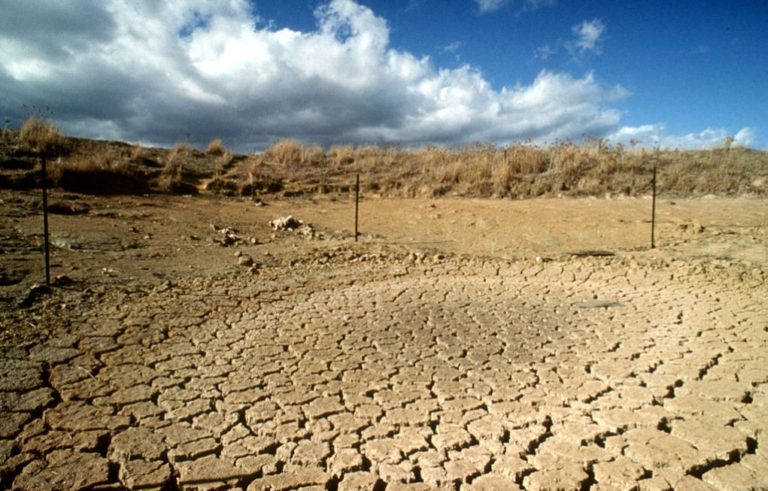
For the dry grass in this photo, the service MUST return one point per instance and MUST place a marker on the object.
(41, 136)
(138, 153)
(517, 171)
(215, 147)
(293, 154)
(171, 176)
(99, 174)
(222, 163)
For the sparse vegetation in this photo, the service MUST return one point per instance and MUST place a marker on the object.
(98, 174)
(517, 171)
(40, 136)
(293, 154)
(170, 179)
(138, 153)
(222, 163)
(215, 147)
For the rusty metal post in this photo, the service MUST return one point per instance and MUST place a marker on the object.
(357, 203)
(43, 161)
(653, 210)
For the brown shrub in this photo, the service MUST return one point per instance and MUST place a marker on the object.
(284, 152)
(170, 179)
(174, 161)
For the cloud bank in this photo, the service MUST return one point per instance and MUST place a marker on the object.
(653, 135)
(157, 71)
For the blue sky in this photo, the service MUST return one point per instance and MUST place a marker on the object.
(409, 72)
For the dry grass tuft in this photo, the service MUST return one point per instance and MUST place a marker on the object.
(284, 152)
(171, 176)
(293, 154)
(215, 147)
(41, 136)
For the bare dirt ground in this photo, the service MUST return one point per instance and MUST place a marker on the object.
(461, 344)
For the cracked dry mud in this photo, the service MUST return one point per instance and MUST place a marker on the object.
(378, 372)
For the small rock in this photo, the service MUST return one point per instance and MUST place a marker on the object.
(285, 223)
(307, 231)
(245, 261)
(63, 280)
(62, 243)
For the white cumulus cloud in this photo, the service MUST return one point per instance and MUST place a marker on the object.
(588, 35)
(157, 71)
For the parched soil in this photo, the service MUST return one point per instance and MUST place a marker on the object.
(460, 344)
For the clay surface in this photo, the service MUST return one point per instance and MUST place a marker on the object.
(460, 344)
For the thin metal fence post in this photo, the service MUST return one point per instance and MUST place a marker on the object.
(653, 210)
(357, 203)
(46, 250)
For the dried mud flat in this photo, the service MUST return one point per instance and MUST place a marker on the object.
(432, 355)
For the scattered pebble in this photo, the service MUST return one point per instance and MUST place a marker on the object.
(246, 261)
